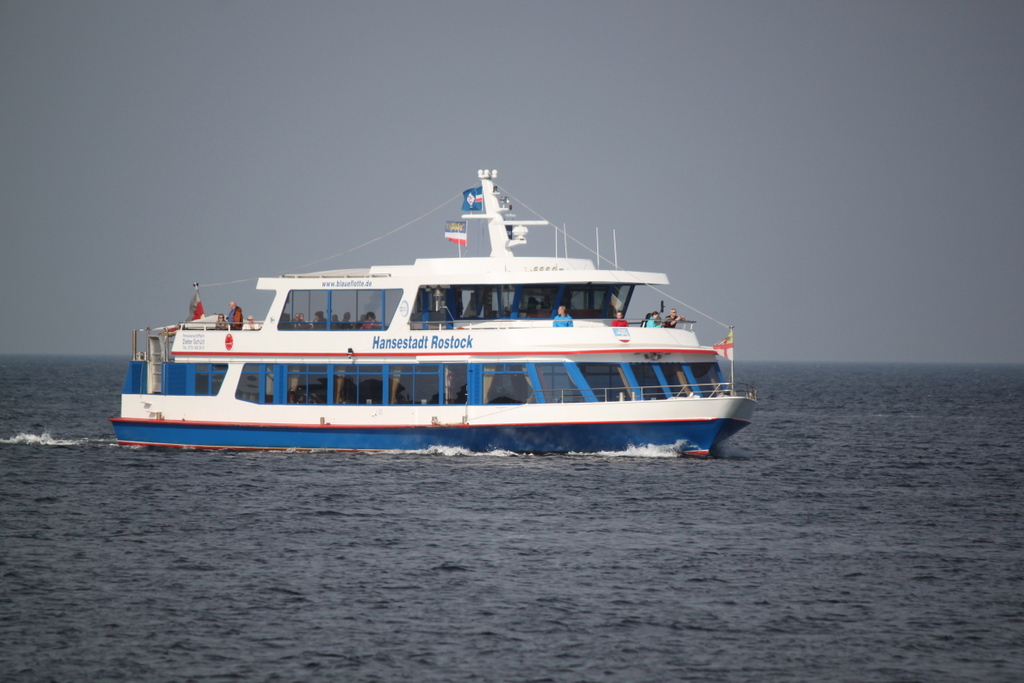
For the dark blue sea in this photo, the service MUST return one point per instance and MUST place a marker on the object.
(869, 526)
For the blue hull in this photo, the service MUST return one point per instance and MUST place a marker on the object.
(692, 437)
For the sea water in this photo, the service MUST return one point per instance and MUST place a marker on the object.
(867, 527)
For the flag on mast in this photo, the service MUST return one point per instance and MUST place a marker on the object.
(455, 231)
(473, 199)
(724, 347)
(195, 307)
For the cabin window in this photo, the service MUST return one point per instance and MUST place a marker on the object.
(557, 386)
(537, 301)
(607, 380)
(443, 306)
(676, 381)
(307, 384)
(359, 309)
(414, 384)
(209, 378)
(619, 301)
(432, 308)
(648, 381)
(451, 384)
(456, 384)
(484, 302)
(359, 384)
(586, 301)
(507, 383)
(706, 378)
(256, 384)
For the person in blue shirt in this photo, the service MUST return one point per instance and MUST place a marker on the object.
(653, 319)
(563, 319)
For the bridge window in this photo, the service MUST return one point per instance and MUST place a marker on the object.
(586, 301)
(537, 301)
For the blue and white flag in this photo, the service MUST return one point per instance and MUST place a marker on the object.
(473, 200)
(456, 232)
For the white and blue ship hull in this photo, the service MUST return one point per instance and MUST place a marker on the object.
(696, 438)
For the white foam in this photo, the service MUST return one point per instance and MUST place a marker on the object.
(452, 451)
(43, 439)
(644, 451)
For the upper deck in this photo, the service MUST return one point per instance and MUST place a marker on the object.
(495, 305)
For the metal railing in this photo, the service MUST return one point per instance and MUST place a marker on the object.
(656, 392)
(467, 323)
(214, 325)
(525, 323)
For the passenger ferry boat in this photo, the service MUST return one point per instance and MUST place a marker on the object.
(450, 352)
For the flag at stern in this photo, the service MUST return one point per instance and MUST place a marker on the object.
(195, 306)
(724, 347)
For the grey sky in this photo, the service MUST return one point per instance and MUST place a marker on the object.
(841, 181)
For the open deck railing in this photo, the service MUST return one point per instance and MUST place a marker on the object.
(211, 325)
(524, 323)
(469, 323)
(641, 393)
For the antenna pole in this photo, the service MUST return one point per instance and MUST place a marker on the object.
(732, 360)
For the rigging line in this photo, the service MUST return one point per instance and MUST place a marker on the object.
(600, 258)
(566, 232)
(681, 303)
(233, 282)
(379, 237)
(250, 279)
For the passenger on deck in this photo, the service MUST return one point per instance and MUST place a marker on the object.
(563, 319)
(653, 319)
(673, 318)
(370, 321)
(251, 324)
(235, 316)
(222, 324)
(620, 320)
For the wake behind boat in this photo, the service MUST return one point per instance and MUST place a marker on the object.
(471, 353)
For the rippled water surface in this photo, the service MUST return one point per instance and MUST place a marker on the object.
(867, 527)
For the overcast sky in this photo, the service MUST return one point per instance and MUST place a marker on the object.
(840, 181)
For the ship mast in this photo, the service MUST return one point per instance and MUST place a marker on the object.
(505, 231)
